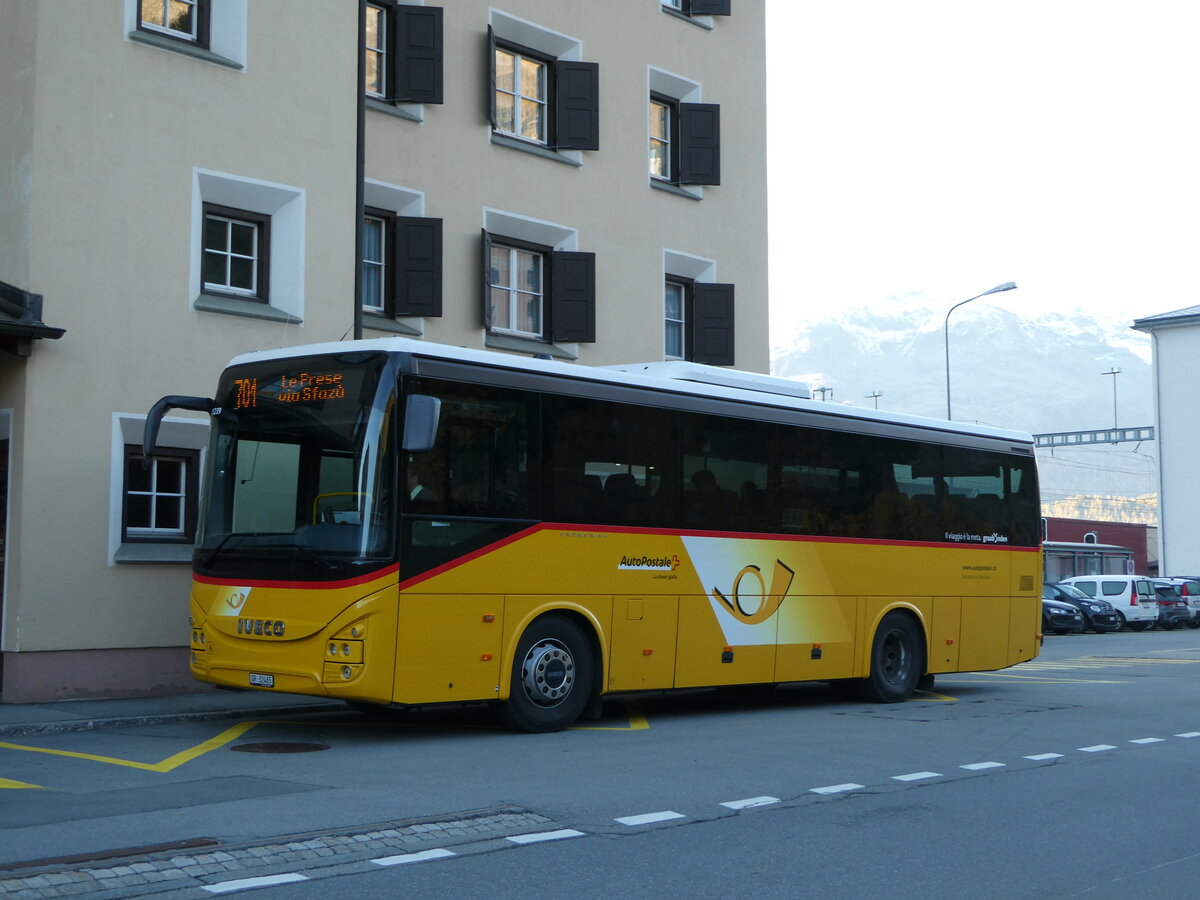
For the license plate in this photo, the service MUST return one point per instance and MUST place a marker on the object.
(262, 680)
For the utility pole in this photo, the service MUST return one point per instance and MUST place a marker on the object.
(1114, 372)
(874, 395)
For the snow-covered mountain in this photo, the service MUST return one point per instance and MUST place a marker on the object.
(1035, 374)
(1042, 374)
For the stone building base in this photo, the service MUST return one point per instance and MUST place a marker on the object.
(36, 677)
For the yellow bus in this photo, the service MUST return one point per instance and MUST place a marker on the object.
(400, 523)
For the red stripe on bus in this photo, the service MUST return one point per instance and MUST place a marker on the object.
(301, 585)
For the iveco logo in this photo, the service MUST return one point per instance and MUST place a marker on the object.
(262, 627)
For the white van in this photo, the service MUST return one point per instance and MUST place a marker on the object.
(1132, 596)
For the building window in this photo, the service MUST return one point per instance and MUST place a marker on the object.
(375, 264)
(516, 280)
(664, 118)
(375, 50)
(1091, 538)
(235, 251)
(160, 501)
(536, 95)
(402, 264)
(698, 312)
(537, 293)
(685, 141)
(521, 94)
(184, 20)
(403, 53)
(676, 298)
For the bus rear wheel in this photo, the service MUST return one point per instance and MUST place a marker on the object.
(552, 676)
(897, 660)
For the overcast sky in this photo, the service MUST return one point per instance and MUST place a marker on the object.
(941, 147)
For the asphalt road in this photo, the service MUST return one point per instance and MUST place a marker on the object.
(1070, 775)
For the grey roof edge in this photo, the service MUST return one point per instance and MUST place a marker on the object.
(1189, 315)
(21, 314)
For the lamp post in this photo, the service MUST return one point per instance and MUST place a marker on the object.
(1007, 286)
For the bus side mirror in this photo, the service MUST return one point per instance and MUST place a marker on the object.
(421, 415)
(155, 417)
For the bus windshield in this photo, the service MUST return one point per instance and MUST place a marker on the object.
(300, 469)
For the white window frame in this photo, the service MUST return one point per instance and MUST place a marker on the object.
(229, 255)
(382, 15)
(156, 529)
(518, 295)
(522, 98)
(285, 206)
(379, 265)
(193, 35)
(679, 323)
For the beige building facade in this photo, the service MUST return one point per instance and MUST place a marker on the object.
(179, 184)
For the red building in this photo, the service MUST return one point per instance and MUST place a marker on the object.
(1117, 534)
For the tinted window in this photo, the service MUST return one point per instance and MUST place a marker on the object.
(610, 463)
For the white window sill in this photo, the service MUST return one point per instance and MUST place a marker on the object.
(162, 42)
(250, 309)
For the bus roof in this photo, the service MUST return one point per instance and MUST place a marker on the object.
(682, 378)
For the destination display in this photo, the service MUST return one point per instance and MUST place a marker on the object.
(300, 387)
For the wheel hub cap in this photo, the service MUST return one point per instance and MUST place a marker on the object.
(548, 673)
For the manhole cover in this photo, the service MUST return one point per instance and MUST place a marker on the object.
(280, 747)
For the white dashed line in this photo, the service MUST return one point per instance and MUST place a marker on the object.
(1189, 734)
(1147, 741)
(648, 818)
(243, 884)
(1038, 757)
(750, 802)
(835, 788)
(916, 776)
(559, 835)
(405, 858)
(978, 767)
(1097, 748)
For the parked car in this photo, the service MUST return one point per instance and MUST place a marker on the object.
(1098, 615)
(1189, 590)
(1172, 608)
(1132, 596)
(1059, 617)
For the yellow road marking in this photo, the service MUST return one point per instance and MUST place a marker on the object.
(171, 762)
(18, 785)
(932, 696)
(637, 721)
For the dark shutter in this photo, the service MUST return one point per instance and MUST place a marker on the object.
(710, 7)
(577, 107)
(699, 143)
(491, 69)
(486, 274)
(418, 54)
(418, 267)
(712, 324)
(573, 297)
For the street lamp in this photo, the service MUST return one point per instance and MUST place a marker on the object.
(1007, 286)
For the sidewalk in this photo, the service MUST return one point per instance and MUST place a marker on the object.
(24, 719)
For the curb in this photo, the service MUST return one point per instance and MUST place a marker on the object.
(33, 729)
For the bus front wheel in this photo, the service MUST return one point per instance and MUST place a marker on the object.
(897, 660)
(551, 677)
